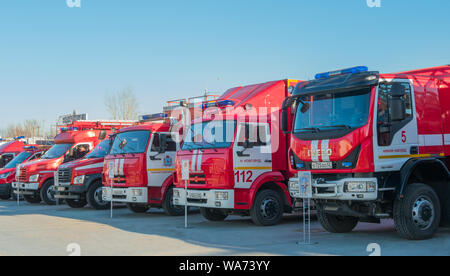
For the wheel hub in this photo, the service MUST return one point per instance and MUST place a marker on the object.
(50, 193)
(423, 213)
(269, 208)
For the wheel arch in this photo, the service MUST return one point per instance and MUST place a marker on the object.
(273, 181)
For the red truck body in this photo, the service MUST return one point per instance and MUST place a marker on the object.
(141, 172)
(381, 151)
(239, 176)
(8, 173)
(35, 180)
(80, 182)
(9, 150)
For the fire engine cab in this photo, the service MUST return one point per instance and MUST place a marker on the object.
(35, 180)
(377, 146)
(8, 173)
(238, 156)
(9, 150)
(139, 169)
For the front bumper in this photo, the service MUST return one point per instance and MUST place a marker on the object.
(335, 190)
(67, 191)
(204, 198)
(25, 188)
(125, 195)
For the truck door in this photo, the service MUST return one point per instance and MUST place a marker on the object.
(396, 138)
(252, 154)
(160, 164)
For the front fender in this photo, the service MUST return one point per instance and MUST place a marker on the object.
(270, 177)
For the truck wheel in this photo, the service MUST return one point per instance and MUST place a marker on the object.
(94, 197)
(168, 206)
(33, 199)
(336, 224)
(417, 216)
(267, 209)
(137, 208)
(76, 203)
(213, 214)
(47, 193)
(5, 197)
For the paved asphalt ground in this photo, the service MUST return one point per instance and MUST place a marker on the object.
(48, 230)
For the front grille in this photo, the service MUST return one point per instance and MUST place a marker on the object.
(195, 178)
(65, 175)
(23, 175)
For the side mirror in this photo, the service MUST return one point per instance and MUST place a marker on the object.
(284, 120)
(71, 152)
(102, 135)
(162, 143)
(305, 107)
(397, 109)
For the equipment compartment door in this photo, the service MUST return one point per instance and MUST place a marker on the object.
(252, 153)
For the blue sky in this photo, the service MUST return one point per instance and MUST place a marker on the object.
(54, 59)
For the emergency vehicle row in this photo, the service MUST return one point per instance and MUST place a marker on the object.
(374, 146)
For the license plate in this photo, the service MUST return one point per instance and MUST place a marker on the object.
(321, 165)
(61, 189)
(195, 195)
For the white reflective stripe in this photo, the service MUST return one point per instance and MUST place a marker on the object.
(116, 167)
(447, 139)
(314, 150)
(199, 161)
(431, 140)
(194, 158)
(325, 148)
(92, 166)
(122, 162)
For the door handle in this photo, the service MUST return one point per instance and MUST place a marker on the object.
(414, 150)
(268, 161)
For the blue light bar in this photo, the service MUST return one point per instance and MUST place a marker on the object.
(19, 137)
(64, 129)
(353, 70)
(29, 147)
(222, 103)
(157, 116)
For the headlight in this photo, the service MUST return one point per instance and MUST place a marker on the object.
(34, 178)
(104, 191)
(5, 175)
(360, 186)
(221, 195)
(136, 192)
(79, 180)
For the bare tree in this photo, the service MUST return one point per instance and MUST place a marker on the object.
(122, 105)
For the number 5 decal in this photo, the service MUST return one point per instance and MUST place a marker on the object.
(404, 136)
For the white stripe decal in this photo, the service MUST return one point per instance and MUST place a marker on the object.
(314, 150)
(325, 148)
(116, 166)
(122, 162)
(93, 166)
(431, 140)
(199, 161)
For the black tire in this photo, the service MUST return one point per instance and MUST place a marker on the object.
(417, 216)
(47, 194)
(336, 224)
(33, 199)
(137, 208)
(94, 197)
(76, 203)
(213, 214)
(168, 206)
(268, 208)
(5, 197)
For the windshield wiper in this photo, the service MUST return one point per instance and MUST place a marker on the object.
(338, 126)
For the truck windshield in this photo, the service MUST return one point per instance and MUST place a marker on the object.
(131, 142)
(18, 160)
(100, 151)
(331, 111)
(56, 151)
(210, 135)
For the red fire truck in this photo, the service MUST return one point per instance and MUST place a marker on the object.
(9, 150)
(139, 169)
(377, 146)
(80, 182)
(238, 156)
(35, 180)
(8, 173)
